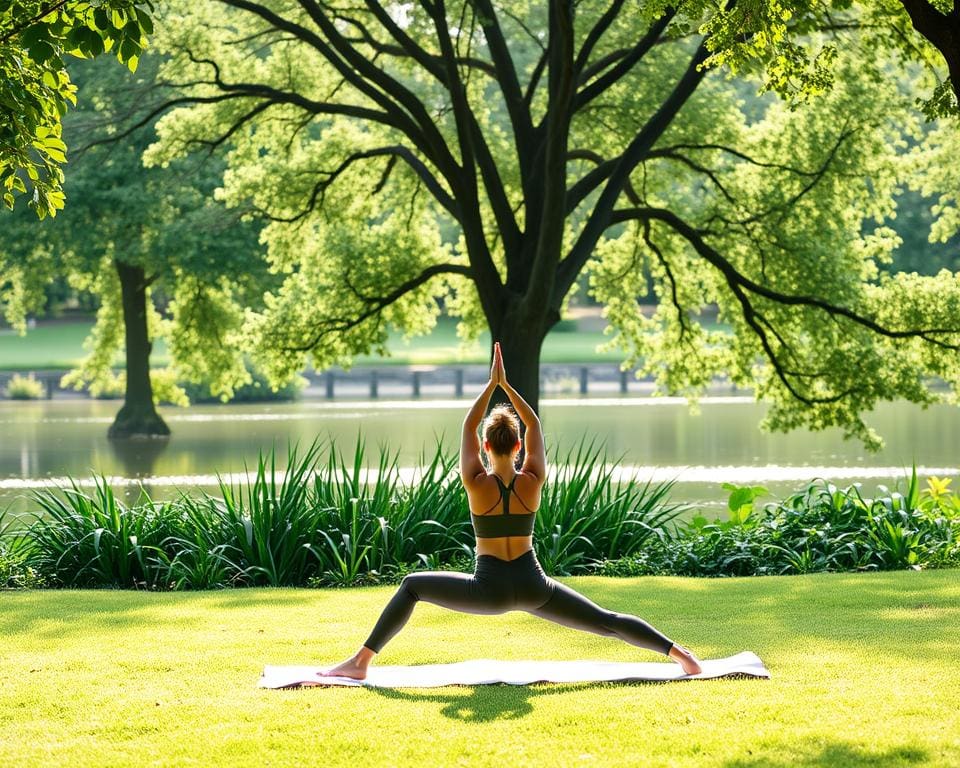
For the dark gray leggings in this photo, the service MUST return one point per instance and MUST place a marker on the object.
(498, 586)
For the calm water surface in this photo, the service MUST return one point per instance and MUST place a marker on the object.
(44, 442)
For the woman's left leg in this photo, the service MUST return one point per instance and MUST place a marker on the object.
(571, 609)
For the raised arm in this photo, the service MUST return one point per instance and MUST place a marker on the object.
(470, 464)
(535, 458)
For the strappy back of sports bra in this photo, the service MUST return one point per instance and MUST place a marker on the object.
(487, 526)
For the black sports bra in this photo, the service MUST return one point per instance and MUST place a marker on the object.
(489, 526)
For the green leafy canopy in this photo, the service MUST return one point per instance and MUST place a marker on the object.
(36, 36)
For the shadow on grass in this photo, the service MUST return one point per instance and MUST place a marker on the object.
(483, 703)
(487, 703)
(838, 755)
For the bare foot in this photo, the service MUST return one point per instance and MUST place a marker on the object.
(350, 668)
(355, 667)
(689, 662)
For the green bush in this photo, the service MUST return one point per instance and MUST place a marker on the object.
(257, 391)
(25, 387)
(14, 552)
(819, 528)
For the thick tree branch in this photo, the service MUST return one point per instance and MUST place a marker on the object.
(562, 89)
(513, 96)
(376, 305)
(635, 152)
(406, 111)
(943, 32)
(594, 35)
(589, 92)
(473, 146)
(589, 181)
(406, 47)
(430, 140)
(535, 76)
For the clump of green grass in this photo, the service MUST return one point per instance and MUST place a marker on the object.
(82, 540)
(586, 517)
(325, 519)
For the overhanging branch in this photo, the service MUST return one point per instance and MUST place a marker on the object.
(734, 277)
(375, 305)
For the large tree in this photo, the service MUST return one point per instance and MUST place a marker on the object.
(557, 138)
(36, 37)
(163, 257)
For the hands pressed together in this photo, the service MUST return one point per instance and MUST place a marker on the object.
(498, 375)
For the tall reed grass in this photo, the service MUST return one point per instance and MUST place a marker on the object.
(320, 517)
(326, 518)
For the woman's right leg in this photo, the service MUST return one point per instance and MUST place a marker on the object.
(457, 591)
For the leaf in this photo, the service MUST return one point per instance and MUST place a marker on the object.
(146, 23)
(34, 34)
(100, 19)
(41, 51)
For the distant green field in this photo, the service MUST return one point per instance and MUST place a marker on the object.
(53, 346)
(60, 345)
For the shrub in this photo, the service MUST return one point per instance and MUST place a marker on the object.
(256, 391)
(819, 528)
(14, 552)
(25, 387)
(83, 540)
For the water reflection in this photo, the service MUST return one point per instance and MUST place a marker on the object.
(137, 457)
(55, 439)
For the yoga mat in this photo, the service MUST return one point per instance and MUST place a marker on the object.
(486, 671)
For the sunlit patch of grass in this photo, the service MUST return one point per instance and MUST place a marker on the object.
(863, 674)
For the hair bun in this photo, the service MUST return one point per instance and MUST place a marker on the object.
(501, 429)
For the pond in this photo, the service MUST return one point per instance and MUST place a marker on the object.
(43, 443)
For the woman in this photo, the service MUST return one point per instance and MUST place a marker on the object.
(503, 504)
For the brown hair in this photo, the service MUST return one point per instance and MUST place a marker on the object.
(501, 429)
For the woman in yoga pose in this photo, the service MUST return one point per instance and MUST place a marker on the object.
(503, 503)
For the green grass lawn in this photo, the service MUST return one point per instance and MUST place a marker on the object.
(864, 673)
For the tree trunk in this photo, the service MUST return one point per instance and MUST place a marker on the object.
(521, 332)
(138, 417)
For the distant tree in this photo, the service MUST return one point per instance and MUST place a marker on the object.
(35, 86)
(134, 235)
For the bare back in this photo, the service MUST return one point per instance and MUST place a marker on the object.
(485, 497)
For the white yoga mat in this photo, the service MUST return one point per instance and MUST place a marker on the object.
(486, 671)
